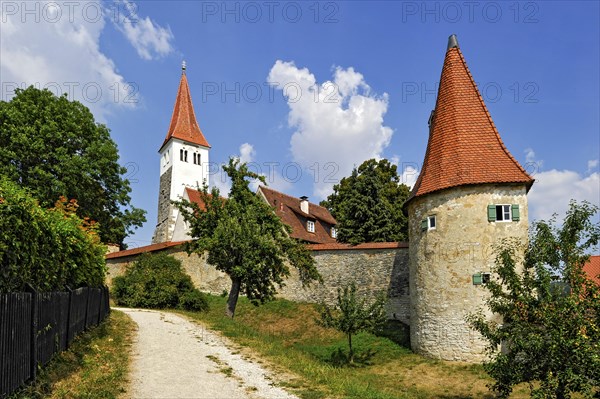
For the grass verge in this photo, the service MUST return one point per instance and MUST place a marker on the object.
(95, 366)
(285, 333)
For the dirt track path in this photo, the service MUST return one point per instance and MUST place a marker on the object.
(175, 358)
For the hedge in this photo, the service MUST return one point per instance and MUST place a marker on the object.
(46, 248)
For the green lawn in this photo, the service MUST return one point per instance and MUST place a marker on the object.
(286, 335)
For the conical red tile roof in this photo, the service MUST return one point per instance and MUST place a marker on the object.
(464, 145)
(184, 125)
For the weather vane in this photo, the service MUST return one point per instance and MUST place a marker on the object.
(183, 66)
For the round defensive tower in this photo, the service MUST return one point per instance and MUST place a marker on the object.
(470, 194)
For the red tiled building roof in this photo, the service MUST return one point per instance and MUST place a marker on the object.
(592, 268)
(184, 125)
(288, 209)
(144, 249)
(312, 247)
(194, 196)
(464, 145)
(338, 246)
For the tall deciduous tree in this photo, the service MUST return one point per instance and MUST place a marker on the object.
(368, 204)
(245, 239)
(550, 310)
(55, 148)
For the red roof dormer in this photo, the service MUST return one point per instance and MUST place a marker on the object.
(184, 125)
(464, 145)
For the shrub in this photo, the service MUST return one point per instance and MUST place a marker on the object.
(193, 300)
(47, 248)
(157, 282)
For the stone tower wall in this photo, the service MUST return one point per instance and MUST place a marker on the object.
(443, 261)
(165, 221)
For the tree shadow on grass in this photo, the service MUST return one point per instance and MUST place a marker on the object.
(339, 358)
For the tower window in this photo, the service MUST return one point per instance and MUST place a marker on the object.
(431, 222)
(310, 226)
(185, 156)
(181, 155)
(503, 213)
(194, 158)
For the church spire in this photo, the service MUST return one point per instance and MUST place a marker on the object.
(184, 125)
(464, 145)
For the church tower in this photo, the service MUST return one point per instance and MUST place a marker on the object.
(471, 193)
(183, 160)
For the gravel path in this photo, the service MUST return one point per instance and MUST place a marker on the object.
(175, 358)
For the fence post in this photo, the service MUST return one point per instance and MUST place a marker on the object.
(70, 291)
(99, 319)
(34, 331)
(87, 303)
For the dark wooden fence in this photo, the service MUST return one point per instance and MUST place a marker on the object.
(36, 325)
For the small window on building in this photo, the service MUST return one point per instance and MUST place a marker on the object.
(333, 232)
(431, 222)
(503, 213)
(198, 160)
(194, 158)
(181, 155)
(185, 156)
(310, 226)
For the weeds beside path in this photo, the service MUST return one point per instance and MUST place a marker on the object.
(95, 366)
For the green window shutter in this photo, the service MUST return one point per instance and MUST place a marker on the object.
(424, 224)
(515, 213)
(491, 213)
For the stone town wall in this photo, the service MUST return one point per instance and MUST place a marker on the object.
(373, 270)
(443, 261)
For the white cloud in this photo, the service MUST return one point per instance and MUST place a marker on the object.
(149, 39)
(529, 155)
(247, 153)
(409, 176)
(532, 165)
(553, 190)
(592, 164)
(408, 171)
(336, 121)
(57, 47)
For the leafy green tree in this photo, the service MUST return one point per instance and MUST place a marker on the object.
(157, 282)
(351, 315)
(550, 310)
(368, 204)
(54, 147)
(245, 239)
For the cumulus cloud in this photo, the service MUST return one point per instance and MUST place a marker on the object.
(247, 153)
(408, 171)
(553, 190)
(337, 121)
(592, 164)
(149, 39)
(57, 48)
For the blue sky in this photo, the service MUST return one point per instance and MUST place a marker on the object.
(306, 90)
